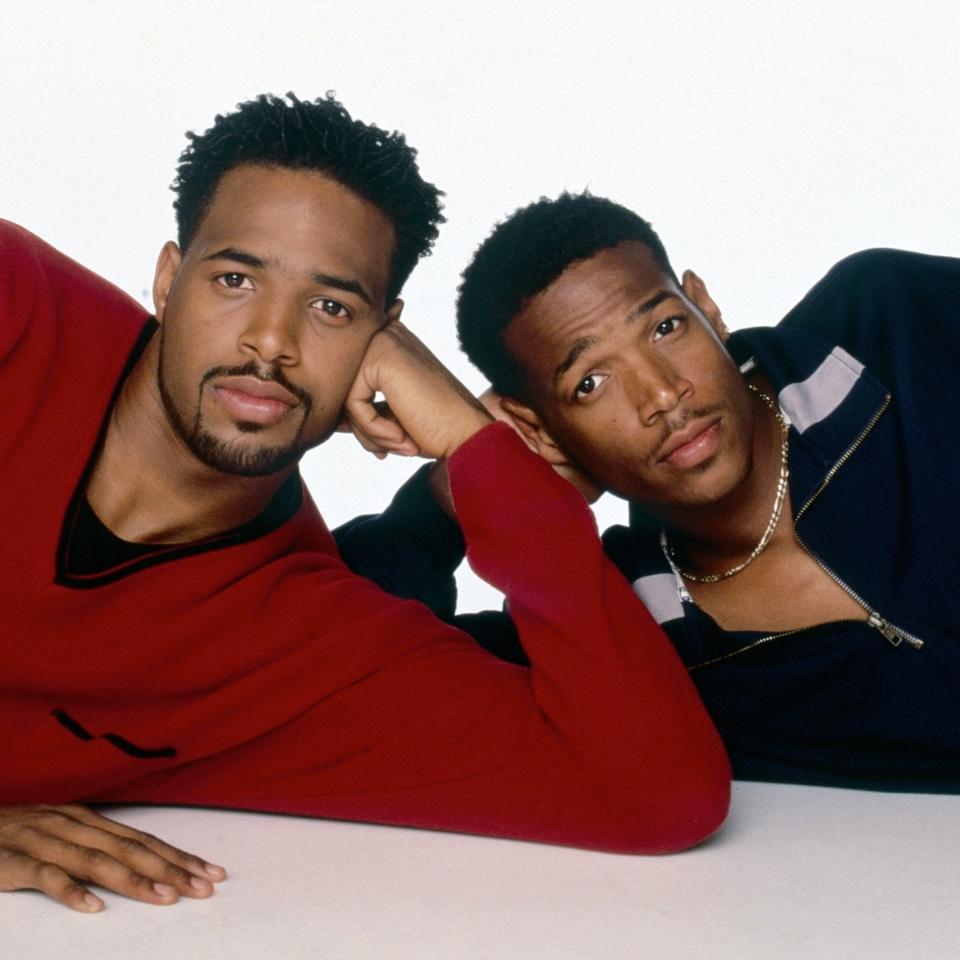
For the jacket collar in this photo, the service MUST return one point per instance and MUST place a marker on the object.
(830, 400)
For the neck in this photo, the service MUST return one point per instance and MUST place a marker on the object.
(147, 486)
(714, 537)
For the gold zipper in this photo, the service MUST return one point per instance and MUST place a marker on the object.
(894, 634)
(844, 457)
(757, 643)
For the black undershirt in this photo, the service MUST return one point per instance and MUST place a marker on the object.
(95, 549)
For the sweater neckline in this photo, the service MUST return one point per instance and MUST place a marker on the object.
(73, 567)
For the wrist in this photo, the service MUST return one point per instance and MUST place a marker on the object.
(467, 425)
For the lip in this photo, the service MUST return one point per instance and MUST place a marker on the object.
(251, 400)
(693, 445)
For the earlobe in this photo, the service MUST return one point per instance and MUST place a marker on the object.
(695, 290)
(168, 263)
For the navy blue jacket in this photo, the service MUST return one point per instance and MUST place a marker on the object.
(867, 371)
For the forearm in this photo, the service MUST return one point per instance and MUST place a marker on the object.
(388, 715)
(412, 549)
(603, 672)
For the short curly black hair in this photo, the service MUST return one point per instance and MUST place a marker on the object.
(313, 135)
(523, 255)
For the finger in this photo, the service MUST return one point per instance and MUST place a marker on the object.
(116, 856)
(187, 861)
(364, 415)
(93, 865)
(380, 435)
(382, 450)
(360, 408)
(130, 866)
(22, 872)
(343, 425)
(408, 446)
(370, 445)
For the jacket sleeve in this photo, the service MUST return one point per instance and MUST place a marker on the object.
(411, 550)
(602, 743)
(894, 310)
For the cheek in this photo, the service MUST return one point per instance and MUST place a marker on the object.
(610, 428)
(188, 340)
(599, 444)
(175, 357)
(332, 370)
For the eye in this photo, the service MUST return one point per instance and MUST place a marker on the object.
(667, 326)
(235, 281)
(332, 308)
(589, 384)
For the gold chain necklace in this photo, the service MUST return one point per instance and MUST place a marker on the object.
(782, 487)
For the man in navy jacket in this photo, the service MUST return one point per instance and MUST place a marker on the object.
(793, 524)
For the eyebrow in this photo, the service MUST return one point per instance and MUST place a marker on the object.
(581, 345)
(323, 279)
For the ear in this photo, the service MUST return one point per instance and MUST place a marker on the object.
(394, 310)
(538, 439)
(534, 433)
(168, 263)
(695, 290)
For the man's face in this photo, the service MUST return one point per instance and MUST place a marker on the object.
(265, 318)
(627, 376)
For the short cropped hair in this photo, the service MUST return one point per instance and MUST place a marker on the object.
(523, 255)
(313, 135)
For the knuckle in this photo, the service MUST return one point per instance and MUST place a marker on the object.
(14, 867)
(138, 881)
(49, 876)
(174, 874)
(130, 846)
(50, 819)
(21, 835)
(94, 857)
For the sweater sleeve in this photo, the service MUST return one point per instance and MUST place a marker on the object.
(410, 550)
(602, 743)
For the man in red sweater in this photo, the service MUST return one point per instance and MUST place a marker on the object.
(179, 627)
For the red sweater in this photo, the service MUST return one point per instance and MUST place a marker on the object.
(264, 675)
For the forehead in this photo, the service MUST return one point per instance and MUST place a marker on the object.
(300, 221)
(589, 298)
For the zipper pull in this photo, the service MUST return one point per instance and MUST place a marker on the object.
(896, 637)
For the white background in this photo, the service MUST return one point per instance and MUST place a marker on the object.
(764, 140)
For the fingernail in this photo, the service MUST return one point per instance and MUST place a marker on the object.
(92, 903)
(164, 889)
(201, 886)
(212, 870)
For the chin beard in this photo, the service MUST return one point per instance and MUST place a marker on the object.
(231, 457)
(235, 458)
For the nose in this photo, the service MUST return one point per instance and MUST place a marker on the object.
(270, 333)
(657, 388)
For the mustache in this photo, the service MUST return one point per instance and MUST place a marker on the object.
(267, 372)
(678, 419)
